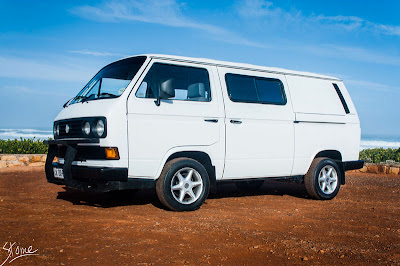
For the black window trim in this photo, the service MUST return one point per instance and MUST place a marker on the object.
(339, 93)
(170, 64)
(255, 84)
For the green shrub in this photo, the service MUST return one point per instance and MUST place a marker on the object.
(23, 146)
(380, 155)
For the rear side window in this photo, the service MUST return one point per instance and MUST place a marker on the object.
(255, 89)
(181, 83)
(241, 88)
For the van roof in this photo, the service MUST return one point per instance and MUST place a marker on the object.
(238, 66)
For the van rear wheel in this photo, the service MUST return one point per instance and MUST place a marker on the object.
(322, 180)
(183, 185)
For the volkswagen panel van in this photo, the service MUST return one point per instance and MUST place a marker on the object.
(180, 125)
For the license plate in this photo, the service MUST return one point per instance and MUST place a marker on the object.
(58, 173)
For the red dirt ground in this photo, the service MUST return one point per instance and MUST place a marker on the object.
(276, 225)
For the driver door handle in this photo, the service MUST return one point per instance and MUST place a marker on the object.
(235, 121)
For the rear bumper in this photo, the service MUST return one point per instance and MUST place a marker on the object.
(353, 165)
(100, 179)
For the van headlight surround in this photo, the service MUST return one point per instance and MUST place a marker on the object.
(80, 127)
(94, 127)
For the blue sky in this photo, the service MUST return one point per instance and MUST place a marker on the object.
(50, 49)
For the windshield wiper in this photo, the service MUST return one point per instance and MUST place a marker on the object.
(108, 94)
(87, 98)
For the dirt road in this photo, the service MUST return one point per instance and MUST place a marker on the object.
(277, 225)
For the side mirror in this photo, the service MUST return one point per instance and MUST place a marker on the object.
(166, 91)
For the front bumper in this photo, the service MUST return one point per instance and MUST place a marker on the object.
(100, 179)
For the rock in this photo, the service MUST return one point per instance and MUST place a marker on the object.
(341, 256)
(44, 158)
(8, 158)
(368, 160)
(13, 164)
(36, 164)
(36, 158)
(383, 169)
(390, 161)
(23, 159)
(3, 164)
(364, 169)
(394, 170)
(373, 168)
(304, 259)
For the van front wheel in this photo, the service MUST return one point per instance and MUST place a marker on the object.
(322, 180)
(183, 185)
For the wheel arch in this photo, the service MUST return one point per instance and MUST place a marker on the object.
(202, 157)
(332, 154)
(337, 157)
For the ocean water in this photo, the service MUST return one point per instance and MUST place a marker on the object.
(367, 141)
(26, 133)
(379, 141)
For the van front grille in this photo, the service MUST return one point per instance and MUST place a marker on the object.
(74, 126)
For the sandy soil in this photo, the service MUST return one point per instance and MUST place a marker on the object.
(276, 225)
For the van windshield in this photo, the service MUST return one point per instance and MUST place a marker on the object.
(111, 81)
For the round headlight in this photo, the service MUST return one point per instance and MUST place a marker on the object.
(99, 128)
(86, 128)
(56, 130)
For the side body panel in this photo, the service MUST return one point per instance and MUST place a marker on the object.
(321, 121)
(262, 144)
(156, 132)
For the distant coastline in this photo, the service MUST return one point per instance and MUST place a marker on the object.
(25, 133)
(368, 141)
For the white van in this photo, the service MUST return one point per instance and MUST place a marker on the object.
(180, 125)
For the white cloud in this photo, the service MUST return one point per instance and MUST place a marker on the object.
(14, 67)
(260, 9)
(353, 23)
(167, 13)
(96, 53)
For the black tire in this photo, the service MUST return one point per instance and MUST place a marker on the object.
(249, 185)
(312, 182)
(169, 174)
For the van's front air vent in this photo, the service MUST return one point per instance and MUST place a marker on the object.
(74, 127)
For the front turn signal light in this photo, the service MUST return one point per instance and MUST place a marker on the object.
(112, 154)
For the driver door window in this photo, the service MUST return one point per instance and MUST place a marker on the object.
(176, 83)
